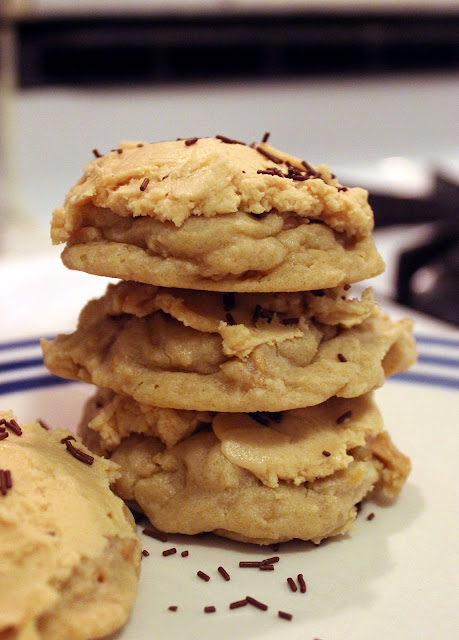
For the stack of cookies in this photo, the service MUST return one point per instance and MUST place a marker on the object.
(234, 367)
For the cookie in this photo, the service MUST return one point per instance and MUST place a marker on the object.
(110, 417)
(216, 216)
(204, 484)
(70, 555)
(246, 352)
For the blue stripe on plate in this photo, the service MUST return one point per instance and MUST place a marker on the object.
(445, 362)
(20, 344)
(421, 378)
(446, 342)
(28, 384)
(21, 364)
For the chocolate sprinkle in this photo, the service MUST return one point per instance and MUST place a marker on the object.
(96, 153)
(238, 603)
(341, 358)
(290, 321)
(259, 312)
(77, 453)
(292, 585)
(272, 171)
(229, 301)
(144, 184)
(284, 615)
(4, 435)
(311, 171)
(145, 553)
(259, 417)
(250, 564)
(184, 554)
(210, 609)
(43, 424)
(9, 480)
(342, 189)
(13, 425)
(266, 567)
(265, 137)
(230, 319)
(170, 552)
(346, 287)
(271, 560)
(224, 573)
(190, 141)
(256, 603)
(370, 516)
(203, 576)
(344, 417)
(326, 453)
(172, 608)
(230, 140)
(3, 487)
(152, 533)
(268, 155)
(302, 583)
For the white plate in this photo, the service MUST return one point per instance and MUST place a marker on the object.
(393, 577)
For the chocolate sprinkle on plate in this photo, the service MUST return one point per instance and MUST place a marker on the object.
(184, 554)
(302, 583)
(172, 608)
(145, 553)
(271, 560)
(144, 184)
(370, 516)
(203, 576)
(170, 552)
(152, 533)
(284, 615)
(210, 609)
(266, 567)
(250, 564)
(238, 603)
(344, 417)
(292, 585)
(256, 603)
(224, 573)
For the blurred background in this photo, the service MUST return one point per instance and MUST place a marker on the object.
(370, 88)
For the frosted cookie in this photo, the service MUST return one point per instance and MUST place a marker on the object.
(245, 352)
(110, 417)
(202, 485)
(69, 553)
(216, 216)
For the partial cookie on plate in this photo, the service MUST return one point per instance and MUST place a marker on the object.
(70, 555)
(216, 216)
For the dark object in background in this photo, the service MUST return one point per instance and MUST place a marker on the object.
(428, 275)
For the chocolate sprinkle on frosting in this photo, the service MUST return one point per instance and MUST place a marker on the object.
(344, 417)
(6, 481)
(4, 435)
(311, 171)
(13, 425)
(341, 358)
(77, 453)
(272, 171)
(290, 321)
(261, 418)
(268, 155)
(97, 153)
(230, 140)
(144, 184)
(190, 141)
(327, 454)
(265, 137)
(230, 319)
